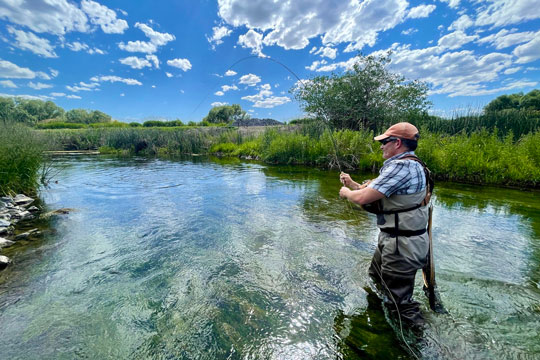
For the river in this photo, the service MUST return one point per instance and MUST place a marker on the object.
(222, 259)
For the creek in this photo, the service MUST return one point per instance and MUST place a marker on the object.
(201, 258)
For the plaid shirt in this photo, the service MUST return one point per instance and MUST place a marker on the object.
(400, 177)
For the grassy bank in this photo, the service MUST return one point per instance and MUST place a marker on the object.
(20, 159)
(481, 156)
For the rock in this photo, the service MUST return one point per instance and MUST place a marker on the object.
(26, 215)
(33, 209)
(4, 262)
(5, 243)
(6, 199)
(22, 199)
(3, 229)
(26, 235)
(4, 223)
(5, 216)
(56, 213)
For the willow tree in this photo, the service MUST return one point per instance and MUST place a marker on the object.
(369, 96)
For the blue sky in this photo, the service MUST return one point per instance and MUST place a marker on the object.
(137, 60)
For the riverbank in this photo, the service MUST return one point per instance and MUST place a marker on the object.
(481, 157)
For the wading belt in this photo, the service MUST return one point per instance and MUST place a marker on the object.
(395, 231)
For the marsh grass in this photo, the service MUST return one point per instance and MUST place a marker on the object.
(20, 159)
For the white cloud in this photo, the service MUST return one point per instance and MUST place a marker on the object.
(29, 41)
(29, 97)
(113, 79)
(506, 12)
(316, 64)
(104, 17)
(513, 70)
(452, 3)
(183, 64)
(122, 94)
(226, 88)
(153, 86)
(455, 40)
(57, 94)
(328, 52)
(96, 51)
(250, 79)
(169, 75)
(154, 59)
(11, 71)
(55, 17)
(506, 38)
(135, 62)
(82, 86)
(54, 73)
(230, 73)
(8, 84)
(292, 24)
(464, 22)
(409, 31)
(219, 33)
(421, 11)
(73, 96)
(77, 46)
(265, 99)
(251, 40)
(39, 86)
(157, 39)
(219, 93)
(218, 103)
(528, 52)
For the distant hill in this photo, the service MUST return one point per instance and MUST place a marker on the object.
(257, 122)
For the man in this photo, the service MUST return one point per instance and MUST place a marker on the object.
(399, 196)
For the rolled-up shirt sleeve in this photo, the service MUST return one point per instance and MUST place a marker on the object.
(391, 178)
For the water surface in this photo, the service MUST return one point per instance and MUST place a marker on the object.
(213, 259)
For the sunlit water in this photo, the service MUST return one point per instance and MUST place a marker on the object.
(199, 259)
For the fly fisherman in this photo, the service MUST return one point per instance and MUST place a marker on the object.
(399, 196)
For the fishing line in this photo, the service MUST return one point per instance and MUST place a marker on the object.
(326, 121)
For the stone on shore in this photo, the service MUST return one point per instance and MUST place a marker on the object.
(5, 243)
(23, 200)
(4, 223)
(28, 234)
(4, 262)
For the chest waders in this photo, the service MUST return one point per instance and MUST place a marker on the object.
(404, 246)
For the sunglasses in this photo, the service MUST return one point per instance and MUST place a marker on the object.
(387, 140)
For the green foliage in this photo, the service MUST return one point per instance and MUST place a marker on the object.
(135, 124)
(518, 101)
(153, 123)
(59, 125)
(82, 116)
(367, 97)
(225, 114)
(20, 159)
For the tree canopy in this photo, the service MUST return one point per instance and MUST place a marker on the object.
(225, 114)
(518, 101)
(368, 96)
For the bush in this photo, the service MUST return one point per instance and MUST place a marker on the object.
(59, 125)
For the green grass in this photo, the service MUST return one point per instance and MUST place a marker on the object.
(20, 160)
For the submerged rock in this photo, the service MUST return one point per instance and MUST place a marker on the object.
(62, 211)
(5, 243)
(26, 235)
(4, 262)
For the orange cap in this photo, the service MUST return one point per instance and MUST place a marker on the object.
(403, 130)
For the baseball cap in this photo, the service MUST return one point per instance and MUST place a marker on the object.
(402, 130)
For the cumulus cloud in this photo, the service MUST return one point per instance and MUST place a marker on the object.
(73, 96)
(219, 32)
(506, 12)
(250, 79)
(218, 103)
(251, 40)
(513, 70)
(29, 41)
(461, 23)
(154, 60)
(157, 39)
(135, 62)
(454, 4)
(265, 99)
(57, 94)
(219, 93)
(183, 64)
(8, 84)
(54, 73)
(169, 75)
(328, 52)
(104, 17)
(528, 52)
(455, 40)
(29, 97)
(506, 38)
(421, 11)
(230, 73)
(409, 31)
(9, 70)
(112, 78)
(226, 88)
(292, 24)
(39, 86)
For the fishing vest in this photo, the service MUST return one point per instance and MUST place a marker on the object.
(404, 215)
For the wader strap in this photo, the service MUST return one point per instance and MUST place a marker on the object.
(396, 229)
(388, 212)
(407, 233)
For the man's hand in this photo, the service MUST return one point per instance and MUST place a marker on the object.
(345, 179)
(344, 192)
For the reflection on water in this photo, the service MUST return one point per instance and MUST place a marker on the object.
(199, 259)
